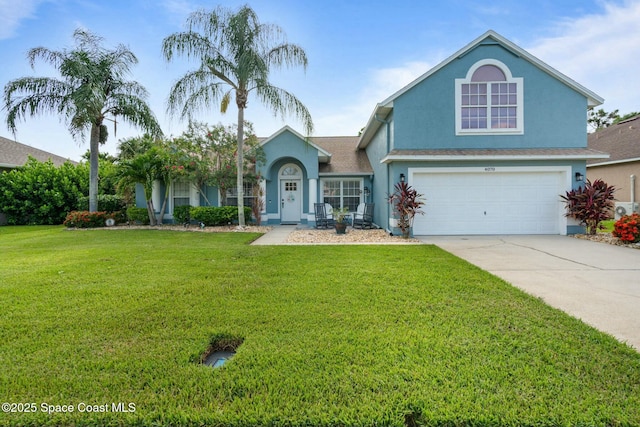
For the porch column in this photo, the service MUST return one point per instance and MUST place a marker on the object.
(156, 196)
(313, 194)
(264, 217)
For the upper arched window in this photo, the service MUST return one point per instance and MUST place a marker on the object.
(489, 100)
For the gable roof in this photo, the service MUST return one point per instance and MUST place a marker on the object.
(323, 155)
(337, 155)
(14, 154)
(382, 109)
(621, 141)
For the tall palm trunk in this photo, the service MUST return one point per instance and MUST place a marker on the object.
(241, 101)
(94, 144)
(240, 181)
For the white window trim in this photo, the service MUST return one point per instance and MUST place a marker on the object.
(194, 197)
(519, 81)
(342, 179)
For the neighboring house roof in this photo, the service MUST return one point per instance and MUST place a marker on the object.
(383, 109)
(14, 154)
(493, 154)
(621, 141)
(346, 159)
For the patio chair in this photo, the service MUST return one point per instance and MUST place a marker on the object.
(363, 218)
(322, 221)
(328, 209)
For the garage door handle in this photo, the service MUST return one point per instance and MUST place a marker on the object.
(485, 212)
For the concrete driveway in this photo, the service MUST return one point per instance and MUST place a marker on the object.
(595, 282)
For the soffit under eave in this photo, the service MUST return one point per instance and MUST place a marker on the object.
(474, 158)
(379, 115)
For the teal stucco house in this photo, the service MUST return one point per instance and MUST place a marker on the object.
(490, 137)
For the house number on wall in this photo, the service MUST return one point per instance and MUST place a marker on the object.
(489, 169)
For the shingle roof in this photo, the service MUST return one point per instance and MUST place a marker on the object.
(14, 154)
(345, 158)
(496, 154)
(621, 141)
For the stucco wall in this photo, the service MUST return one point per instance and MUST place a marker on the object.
(376, 150)
(554, 114)
(619, 176)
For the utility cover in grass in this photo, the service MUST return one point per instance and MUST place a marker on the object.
(218, 358)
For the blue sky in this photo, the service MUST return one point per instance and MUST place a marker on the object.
(360, 52)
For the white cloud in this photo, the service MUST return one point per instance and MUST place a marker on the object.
(379, 85)
(13, 13)
(601, 52)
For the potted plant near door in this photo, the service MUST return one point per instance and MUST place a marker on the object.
(340, 217)
(406, 204)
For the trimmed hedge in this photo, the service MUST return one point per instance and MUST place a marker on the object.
(182, 214)
(217, 215)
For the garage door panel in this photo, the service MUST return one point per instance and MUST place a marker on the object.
(489, 203)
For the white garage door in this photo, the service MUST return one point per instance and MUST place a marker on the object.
(490, 202)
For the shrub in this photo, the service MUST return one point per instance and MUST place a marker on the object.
(590, 204)
(627, 228)
(137, 214)
(218, 215)
(86, 219)
(406, 205)
(182, 214)
(106, 202)
(40, 193)
(258, 203)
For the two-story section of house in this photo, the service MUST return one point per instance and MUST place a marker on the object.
(491, 137)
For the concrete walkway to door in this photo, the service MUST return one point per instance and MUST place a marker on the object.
(595, 282)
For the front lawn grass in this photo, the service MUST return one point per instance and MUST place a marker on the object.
(607, 226)
(333, 335)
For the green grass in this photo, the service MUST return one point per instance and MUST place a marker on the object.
(333, 335)
(608, 226)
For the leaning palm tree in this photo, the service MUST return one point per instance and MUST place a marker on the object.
(91, 90)
(236, 54)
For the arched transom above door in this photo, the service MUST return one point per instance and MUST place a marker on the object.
(290, 171)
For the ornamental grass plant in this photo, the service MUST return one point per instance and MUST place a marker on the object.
(116, 320)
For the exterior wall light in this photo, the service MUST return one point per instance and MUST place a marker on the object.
(402, 177)
(579, 177)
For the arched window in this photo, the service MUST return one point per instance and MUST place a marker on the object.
(290, 171)
(489, 100)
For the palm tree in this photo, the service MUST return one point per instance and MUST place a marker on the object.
(236, 54)
(91, 90)
(144, 168)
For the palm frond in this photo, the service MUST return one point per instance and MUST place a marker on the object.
(189, 44)
(196, 86)
(134, 110)
(31, 96)
(287, 54)
(283, 102)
